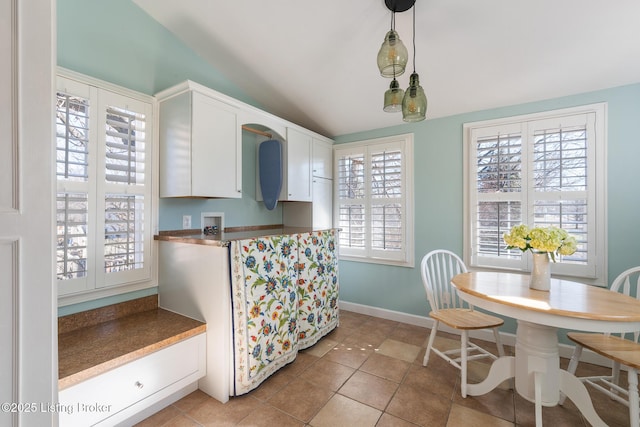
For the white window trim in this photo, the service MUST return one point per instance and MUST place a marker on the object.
(407, 257)
(598, 207)
(149, 279)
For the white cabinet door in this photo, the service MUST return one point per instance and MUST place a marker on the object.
(175, 146)
(200, 147)
(322, 206)
(216, 156)
(297, 169)
(322, 160)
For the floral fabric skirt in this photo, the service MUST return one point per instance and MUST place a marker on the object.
(284, 292)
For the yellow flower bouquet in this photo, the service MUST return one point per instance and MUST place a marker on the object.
(552, 240)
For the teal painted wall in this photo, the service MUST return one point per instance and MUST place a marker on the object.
(102, 302)
(146, 57)
(118, 42)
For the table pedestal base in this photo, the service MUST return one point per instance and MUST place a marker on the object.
(538, 377)
(537, 351)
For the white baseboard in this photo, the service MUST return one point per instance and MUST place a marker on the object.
(426, 322)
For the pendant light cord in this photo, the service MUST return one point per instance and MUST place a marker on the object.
(393, 28)
(414, 38)
(393, 20)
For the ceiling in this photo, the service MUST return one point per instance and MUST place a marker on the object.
(314, 62)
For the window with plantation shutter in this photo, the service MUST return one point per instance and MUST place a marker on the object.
(374, 200)
(540, 170)
(104, 192)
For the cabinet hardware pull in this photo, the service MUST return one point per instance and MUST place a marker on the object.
(139, 384)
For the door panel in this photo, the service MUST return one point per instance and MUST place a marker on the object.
(28, 349)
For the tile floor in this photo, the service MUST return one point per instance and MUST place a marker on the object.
(368, 372)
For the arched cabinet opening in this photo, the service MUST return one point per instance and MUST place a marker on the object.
(294, 166)
(269, 163)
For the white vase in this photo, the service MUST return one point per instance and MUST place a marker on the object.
(541, 272)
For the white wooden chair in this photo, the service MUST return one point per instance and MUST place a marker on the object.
(621, 349)
(438, 268)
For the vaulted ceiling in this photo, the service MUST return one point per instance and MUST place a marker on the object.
(314, 63)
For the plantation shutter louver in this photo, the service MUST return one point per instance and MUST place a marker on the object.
(351, 192)
(124, 175)
(73, 219)
(386, 188)
(125, 236)
(499, 187)
(125, 147)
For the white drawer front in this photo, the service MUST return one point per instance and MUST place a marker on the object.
(100, 397)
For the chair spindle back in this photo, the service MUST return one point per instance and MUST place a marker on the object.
(437, 269)
(628, 283)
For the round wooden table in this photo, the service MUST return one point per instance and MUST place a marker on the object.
(536, 365)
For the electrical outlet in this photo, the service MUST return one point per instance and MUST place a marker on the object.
(186, 222)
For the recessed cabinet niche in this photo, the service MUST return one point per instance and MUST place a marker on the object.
(200, 144)
(296, 168)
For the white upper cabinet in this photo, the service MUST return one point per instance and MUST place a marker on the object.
(200, 144)
(297, 167)
(322, 159)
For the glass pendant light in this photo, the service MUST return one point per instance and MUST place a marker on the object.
(414, 103)
(393, 55)
(393, 97)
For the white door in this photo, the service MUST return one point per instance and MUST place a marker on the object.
(28, 330)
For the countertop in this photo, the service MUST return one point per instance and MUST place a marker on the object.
(230, 234)
(90, 351)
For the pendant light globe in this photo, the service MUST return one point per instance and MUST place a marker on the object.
(393, 98)
(414, 103)
(392, 56)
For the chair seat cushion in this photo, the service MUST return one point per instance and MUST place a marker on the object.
(618, 349)
(464, 318)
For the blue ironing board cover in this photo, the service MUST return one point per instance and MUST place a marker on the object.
(270, 161)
